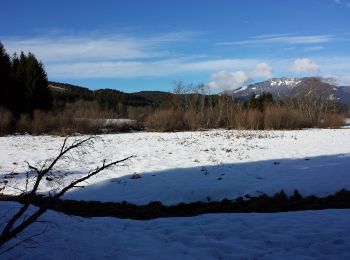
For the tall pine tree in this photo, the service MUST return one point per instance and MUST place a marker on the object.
(23, 83)
(5, 77)
(32, 83)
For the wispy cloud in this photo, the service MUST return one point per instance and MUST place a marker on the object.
(291, 48)
(97, 47)
(282, 39)
(313, 48)
(132, 69)
(263, 36)
(124, 55)
(120, 55)
(342, 2)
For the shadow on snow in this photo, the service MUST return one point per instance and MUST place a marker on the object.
(321, 176)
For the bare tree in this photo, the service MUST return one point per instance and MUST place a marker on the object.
(22, 219)
(315, 100)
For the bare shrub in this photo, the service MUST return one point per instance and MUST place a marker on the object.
(139, 114)
(80, 117)
(283, 117)
(6, 119)
(89, 109)
(194, 120)
(24, 124)
(275, 117)
(166, 120)
(238, 119)
(42, 122)
(255, 119)
(211, 120)
(247, 119)
(332, 121)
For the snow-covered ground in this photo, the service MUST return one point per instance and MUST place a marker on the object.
(186, 167)
(192, 166)
(294, 235)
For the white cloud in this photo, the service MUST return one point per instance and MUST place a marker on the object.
(235, 79)
(305, 65)
(282, 39)
(97, 55)
(338, 2)
(264, 36)
(313, 48)
(344, 80)
(262, 70)
(219, 64)
(335, 65)
(96, 47)
(228, 80)
(292, 48)
(119, 55)
(158, 68)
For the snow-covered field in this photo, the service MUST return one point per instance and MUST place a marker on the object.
(187, 167)
(294, 235)
(192, 166)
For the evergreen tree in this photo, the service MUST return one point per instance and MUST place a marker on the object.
(260, 101)
(17, 91)
(5, 76)
(23, 83)
(32, 83)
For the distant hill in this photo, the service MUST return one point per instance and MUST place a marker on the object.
(109, 98)
(156, 97)
(68, 93)
(282, 88)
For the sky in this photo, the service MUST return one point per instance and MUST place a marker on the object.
(134, 45)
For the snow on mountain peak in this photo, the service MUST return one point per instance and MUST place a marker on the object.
(289, 82)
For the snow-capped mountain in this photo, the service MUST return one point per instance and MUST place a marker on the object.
(292, 87)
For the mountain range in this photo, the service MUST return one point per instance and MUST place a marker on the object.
(281, 88)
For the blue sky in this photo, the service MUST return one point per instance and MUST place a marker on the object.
(147, 45)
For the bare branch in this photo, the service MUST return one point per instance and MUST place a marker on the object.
(31, 167)
(96, 171)
(10, 230)
(64, 150)
(64, 144)
(23, 241)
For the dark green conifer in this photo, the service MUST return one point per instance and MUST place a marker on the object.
(5, 76)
